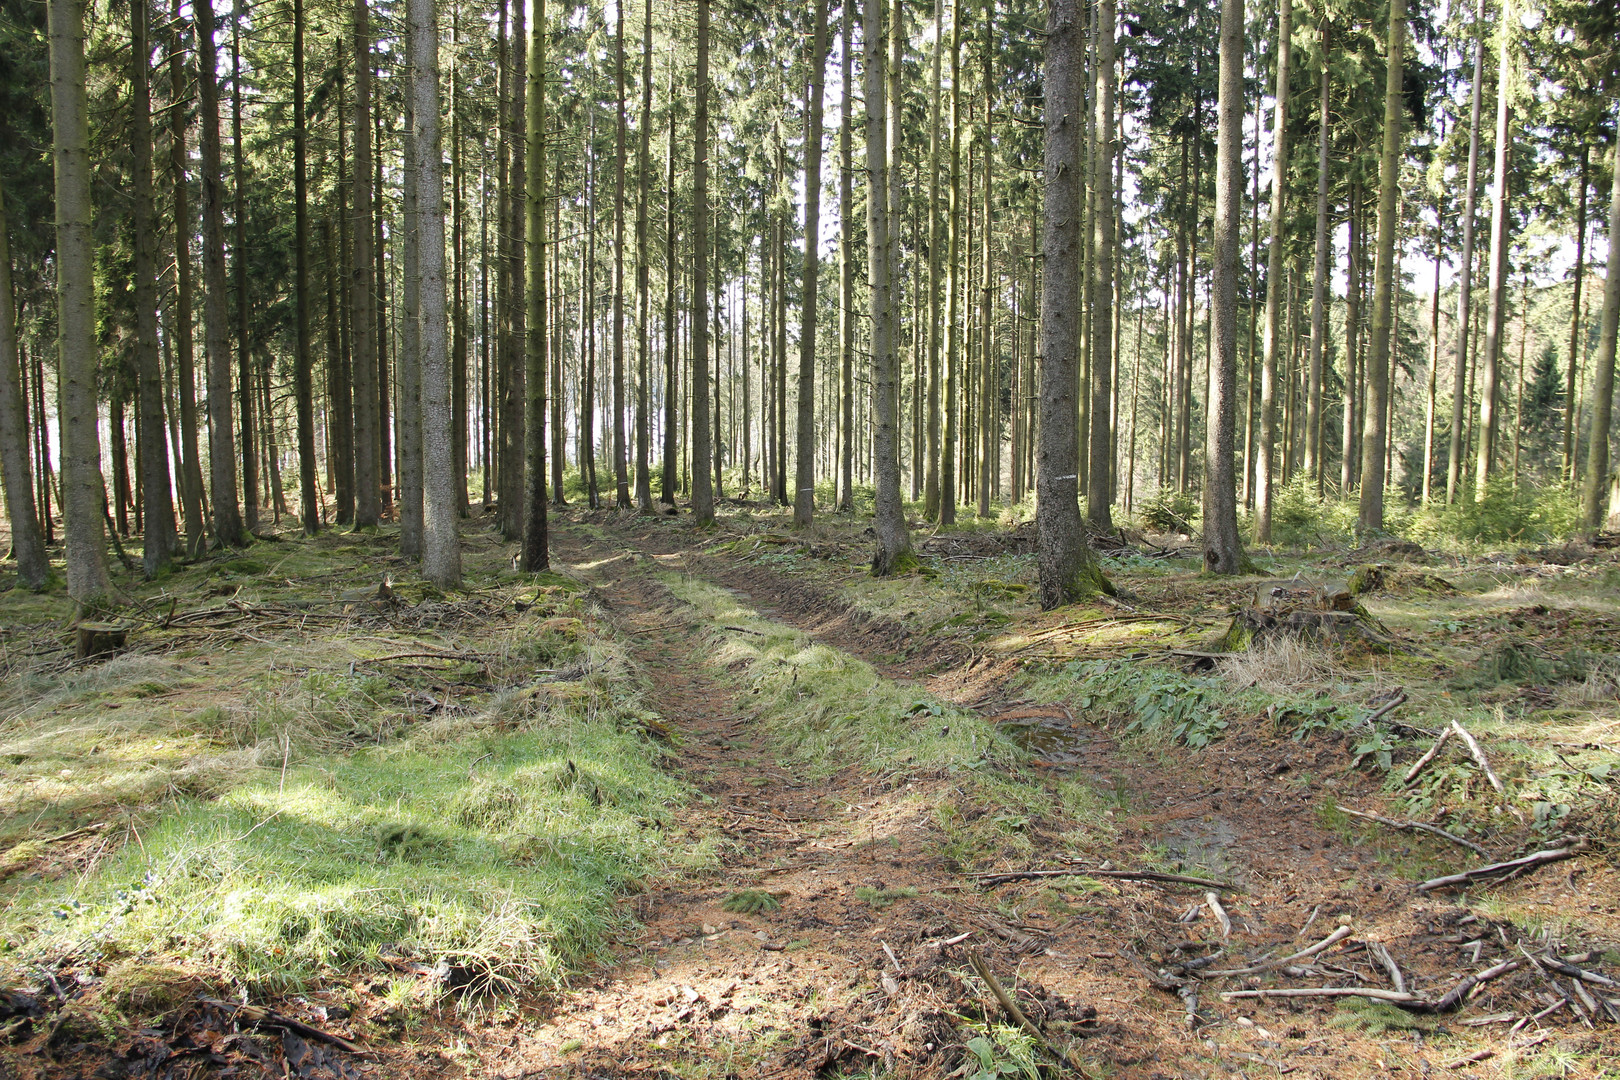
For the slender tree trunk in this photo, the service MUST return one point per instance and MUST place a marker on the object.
(216, 306)
(159, 538)
(408, 358)
(27, 540)
(1100, 484)
(702, 452)
(535, 556)
(643, 268)
(1496, 312)
(191, 484)
(244, 359)
(1320, 280)
(1068, 570)
(671, 274)
(1595, 490)
(362, 289)
(1265, 464)
(621, 472)
(846, 271)
(1374, 427)
(893, 552)
(1349, 465)
(458, 289)
(1434, 363)
(953, 277)
(931, 482)
(1575, 316)
(303, 364)
(988, 443)
(83, 493)
(1465, 270)
(1223, 550)
(804, 496)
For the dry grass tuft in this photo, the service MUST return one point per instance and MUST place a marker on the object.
(1281, 665)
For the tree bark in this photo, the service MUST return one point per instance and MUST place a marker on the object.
(1595, 489)
(303, 364)
(1266, 462)
(362, 288)
(1100, 459)
(1465, 271)
(1575, 315)
(244, 359)
(804, 495)
(159, 538)
(953, 278)
(83, 493)
(846, 271)
(191, 484)
(1320, 280)
(643, 268)
(1223, 550)
(893, 554)
(1496, 311)
(408, 358)
(1374, 426)
(702, 451)
(536, 556)
(1068, 571)
(216, 307)
(621, 472)
(27, 541)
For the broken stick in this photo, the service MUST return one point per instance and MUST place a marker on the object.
(1016, 1015)
(1407, 825)
(1505, 870)
(1266, 965)
(1427, 759)
(1119, 875)
(269, 1017)
(1479, 757)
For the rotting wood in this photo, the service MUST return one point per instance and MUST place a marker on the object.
(92, 640)
(1118, 875)
(1016, 1015)
(259, 1016)
(1506, 871)
(1479, 757)
(1418, 825)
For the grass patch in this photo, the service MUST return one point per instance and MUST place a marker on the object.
(879, 899)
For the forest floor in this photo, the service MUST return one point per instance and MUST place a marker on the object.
(713, 803)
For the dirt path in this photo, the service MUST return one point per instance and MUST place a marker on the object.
(834, 983)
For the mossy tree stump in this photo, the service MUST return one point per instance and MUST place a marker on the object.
(95, 639)
(1323, 612)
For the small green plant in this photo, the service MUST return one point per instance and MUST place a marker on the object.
(1376, 1017)
(751, 902)
(884, 898)
(1001, 1052)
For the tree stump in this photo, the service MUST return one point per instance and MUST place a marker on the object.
(1323, 612)
(92, 639)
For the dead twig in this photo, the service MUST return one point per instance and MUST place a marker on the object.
(1409, 825)
(1118, 875)
(1016, 1015)
(1505, 870)
(1254, 969)
(269, 1017)
(1427, 759)
(1479, 757)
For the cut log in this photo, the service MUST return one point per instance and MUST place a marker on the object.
(95, 639)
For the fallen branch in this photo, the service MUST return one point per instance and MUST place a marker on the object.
(1214, 901)
(1327, 991)
(1254, 969)
(1408, 825)
(1380, 952)
(256, 1015)
(1016, 1015)
(1388, 707)
(1479, 757)
(1427, 759)
(1505, 870)
(1118, 875)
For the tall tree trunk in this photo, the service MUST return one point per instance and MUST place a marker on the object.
(362, 289)
(536, 556)
(1223, 550)
(1575, 316)
(1496, 311)
(621, 473)
(1320, 280)
(458, 287)
(441, 547)
(988, 443)
(191, 484)
(953, 277)
(1264, 479)
(83, 493)
(514, 390)
(702, 451)
(1434, 361)
(1100, 482)
(1465, 270)
(1594, 492)
(1068, 570)
(893, 542)
(1374, 427)
(159, 538)
(643, 269)
(671, 336)
(804, 495)
(244, 359)
(303, 364)
(27, 540)
(846, 271)
(408, 358)
(931, 483)
(216, 306)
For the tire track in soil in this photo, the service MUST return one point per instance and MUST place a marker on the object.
(803, 991)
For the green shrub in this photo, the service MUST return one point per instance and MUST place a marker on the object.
(1502, 516)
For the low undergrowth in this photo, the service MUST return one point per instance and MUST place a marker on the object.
(268, 831)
